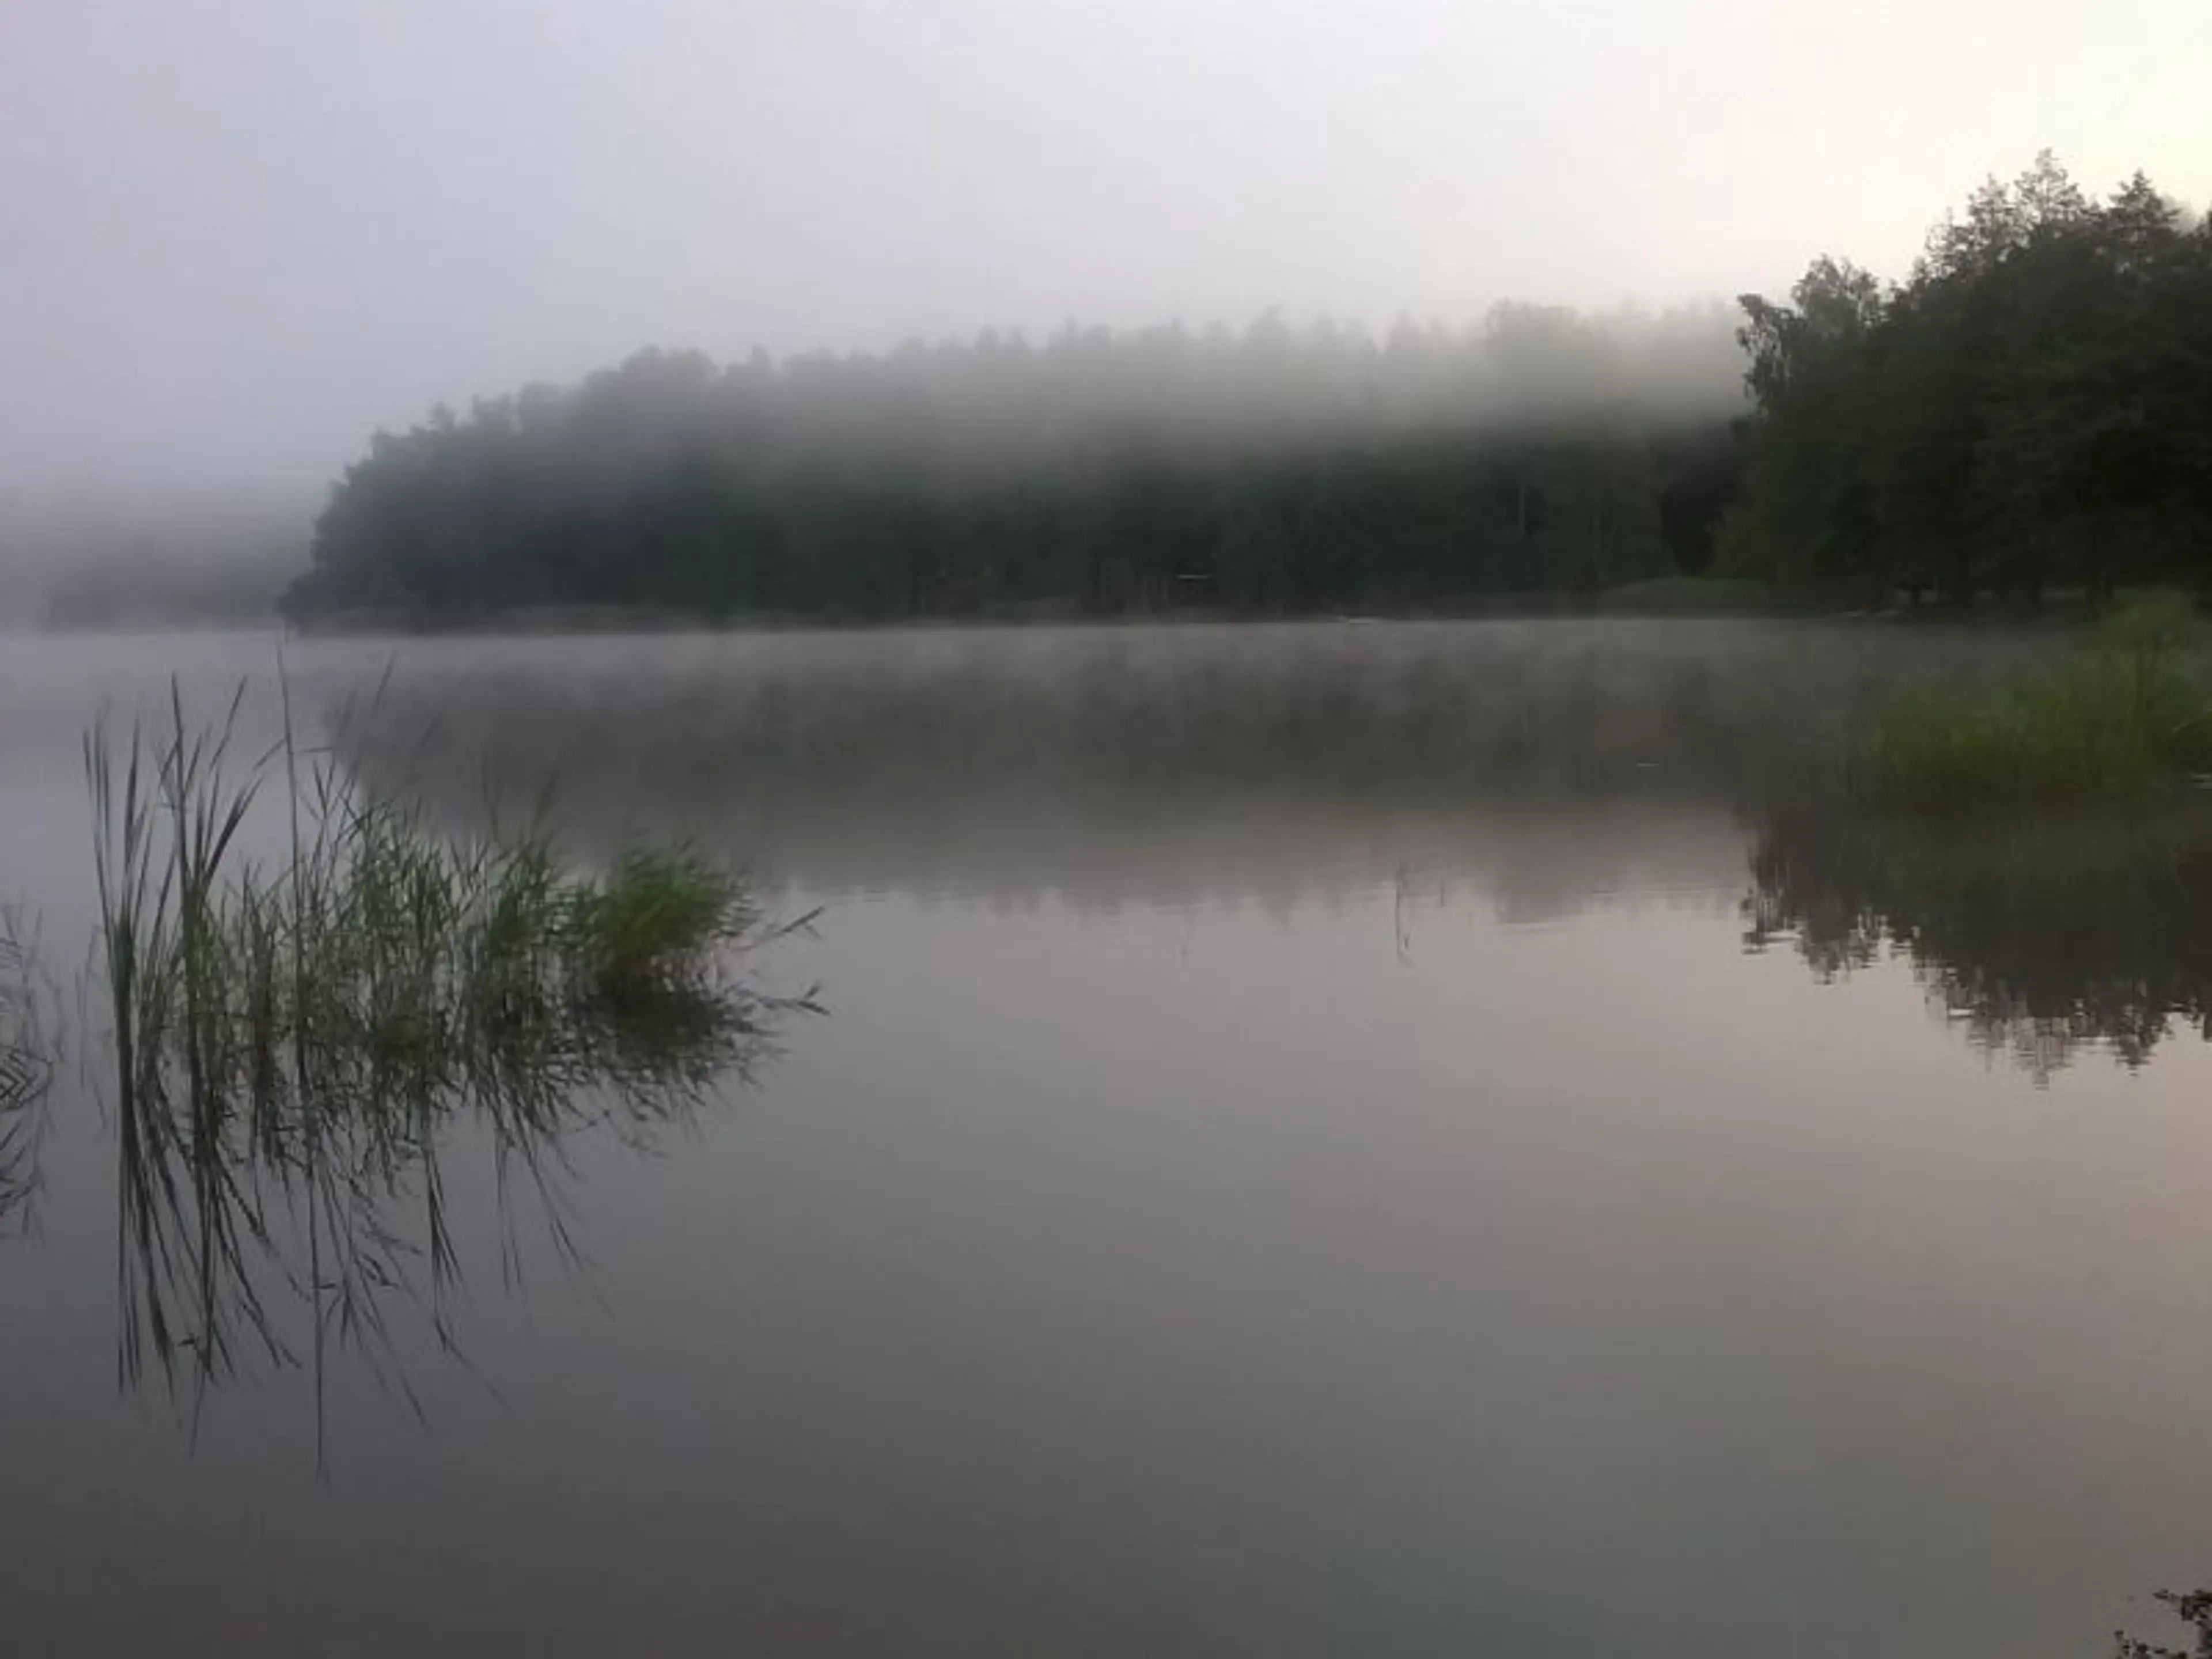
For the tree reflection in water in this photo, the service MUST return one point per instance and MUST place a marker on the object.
(2042, 936)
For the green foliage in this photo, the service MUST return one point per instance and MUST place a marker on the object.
(2033, 407)
(307, 1030)
(2152, 626)
(1273, 471)
(377, 939)
(2124, 716)
(649, 926)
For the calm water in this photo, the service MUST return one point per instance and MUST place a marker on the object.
(1341, 1139)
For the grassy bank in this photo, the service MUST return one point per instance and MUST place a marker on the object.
(2126, 714)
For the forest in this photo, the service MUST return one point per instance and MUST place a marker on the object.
(2031, 409)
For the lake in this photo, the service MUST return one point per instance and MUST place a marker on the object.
(1381, 1139)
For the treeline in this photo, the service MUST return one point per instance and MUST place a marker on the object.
(1270, 470)
(2032, 406)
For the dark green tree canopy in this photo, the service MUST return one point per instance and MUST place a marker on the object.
(2033, 404)
(1277, 469)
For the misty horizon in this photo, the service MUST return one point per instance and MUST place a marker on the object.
(49, 491)
(95, 546)
(242, 239)
(1191, 827)
(1462, 333)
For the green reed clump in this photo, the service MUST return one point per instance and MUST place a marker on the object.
(304, 1028)
(646, 926)
(2125, 715)
(376, 937)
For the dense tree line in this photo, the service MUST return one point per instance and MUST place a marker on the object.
(2034, 406)
(2031, 407)
(1273, 469)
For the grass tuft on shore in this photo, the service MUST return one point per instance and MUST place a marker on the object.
(2125, 714)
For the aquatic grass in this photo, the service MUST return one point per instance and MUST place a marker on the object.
(167, 814)
(2124, 716)
(646, 926)
(380, 939)
(291, 1040)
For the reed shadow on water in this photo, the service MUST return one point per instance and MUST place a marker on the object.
(380, 993)
(27, 1067)
(294, 1043)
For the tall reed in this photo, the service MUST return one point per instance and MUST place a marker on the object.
(293, 1037)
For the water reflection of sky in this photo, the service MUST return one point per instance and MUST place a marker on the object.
(1334, 1204)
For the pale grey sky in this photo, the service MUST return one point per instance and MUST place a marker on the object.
(235, 235)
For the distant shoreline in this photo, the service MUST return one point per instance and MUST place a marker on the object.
(1683, 597)
(1668, 598)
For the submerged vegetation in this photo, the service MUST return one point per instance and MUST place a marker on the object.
(2126, 714)
(294, 1042)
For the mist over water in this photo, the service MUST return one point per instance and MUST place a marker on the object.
(1316, 1129)
(121, 553)
(1158, 761)
(857, 831)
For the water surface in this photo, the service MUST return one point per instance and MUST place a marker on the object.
(1391, 1139)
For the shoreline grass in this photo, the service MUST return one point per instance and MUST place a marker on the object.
(2126, 714)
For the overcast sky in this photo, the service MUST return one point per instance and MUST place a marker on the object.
(236, 235)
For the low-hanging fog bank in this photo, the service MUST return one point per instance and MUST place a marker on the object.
(88, 555)
(1270, 468)
(1105, 763)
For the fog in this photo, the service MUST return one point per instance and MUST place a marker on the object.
(83, 556)
(1104, 765)
(1393, 1075)
(1257, 386)
(242, 237)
